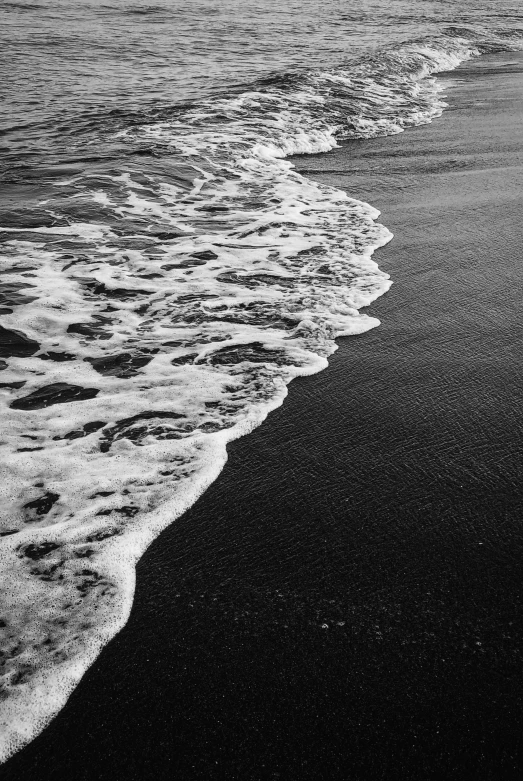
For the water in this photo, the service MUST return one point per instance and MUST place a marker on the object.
(166, 273)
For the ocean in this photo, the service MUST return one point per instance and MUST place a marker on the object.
(166, 271)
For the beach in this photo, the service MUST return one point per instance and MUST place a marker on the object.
(345, 600)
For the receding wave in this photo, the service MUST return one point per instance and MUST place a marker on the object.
(156, 308)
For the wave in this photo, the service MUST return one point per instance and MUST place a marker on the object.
(155, 308)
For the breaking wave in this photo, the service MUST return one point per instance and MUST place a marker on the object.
(155, 305)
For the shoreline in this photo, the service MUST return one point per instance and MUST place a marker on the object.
(285, 529)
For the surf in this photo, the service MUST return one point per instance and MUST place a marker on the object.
(156, 306)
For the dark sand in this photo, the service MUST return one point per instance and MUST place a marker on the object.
(345, 601)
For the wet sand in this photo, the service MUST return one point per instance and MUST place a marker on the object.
(345, 601)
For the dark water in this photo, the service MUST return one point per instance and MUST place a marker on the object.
(64, 58)
(167, 274)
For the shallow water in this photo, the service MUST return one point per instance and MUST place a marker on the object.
(166, 273)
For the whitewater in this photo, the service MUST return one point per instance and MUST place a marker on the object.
(153, 312)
